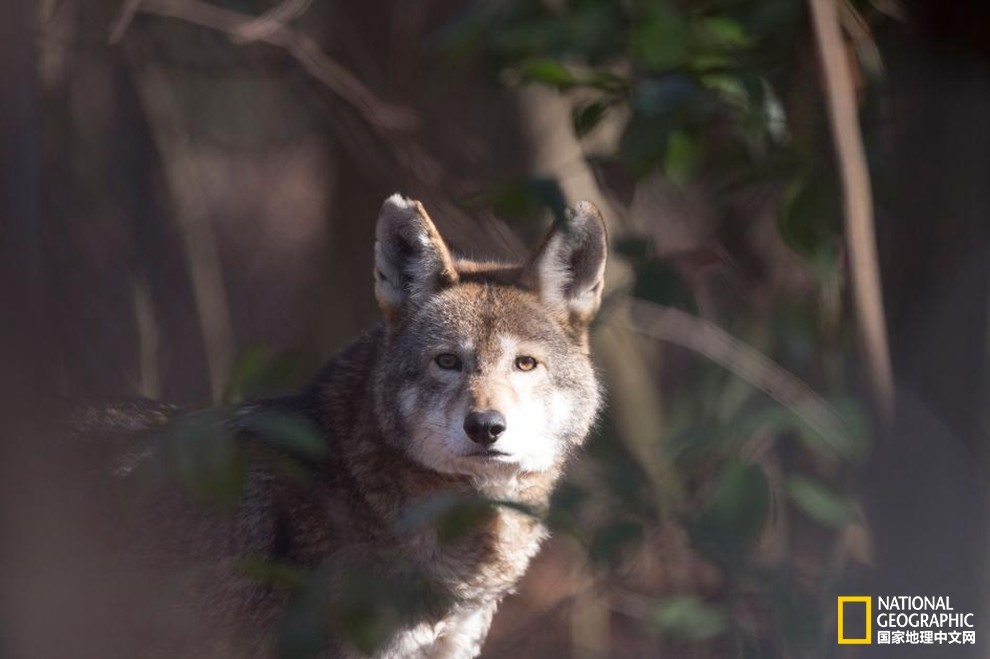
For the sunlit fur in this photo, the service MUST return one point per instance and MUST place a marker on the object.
(548, 410)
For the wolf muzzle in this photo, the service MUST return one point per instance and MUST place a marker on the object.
(484, 427)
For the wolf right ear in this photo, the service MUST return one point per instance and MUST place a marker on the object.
(411, 260)
(568, 270)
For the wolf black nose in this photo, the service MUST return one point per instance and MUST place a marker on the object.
(484, 427)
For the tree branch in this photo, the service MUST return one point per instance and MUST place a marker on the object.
(857, 195)
(270, 28)
(683, 329)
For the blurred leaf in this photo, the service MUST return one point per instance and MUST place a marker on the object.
(609, 542)
(454, 516)
(527, 197)
(249, 368)
(625, 477)
(272, 573)
(857, 420)
(776, 418)
(605, 81)
(694, 443)
(587, 117)
(660, 41)
(687, 616)
(589, 29)
(819, 502)
(566, 503)
(363, 625)
(546, 71)
(723, 33)
(375, 594)
(290, 432)
(730, 88)
(683, 157)
(643, 143)
(674, 96)
(301, 631)
(258, 370)
(734, 513)
(208, 459)
(809, 216)
(662, 105)
(740, 499)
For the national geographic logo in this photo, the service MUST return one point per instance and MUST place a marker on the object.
(902, 620)
(860, 610)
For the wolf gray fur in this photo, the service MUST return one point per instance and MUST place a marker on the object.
(478, 384)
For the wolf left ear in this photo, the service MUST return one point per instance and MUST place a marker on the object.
(411, 260)
(568, 269)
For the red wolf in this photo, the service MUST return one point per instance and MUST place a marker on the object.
(477, 387)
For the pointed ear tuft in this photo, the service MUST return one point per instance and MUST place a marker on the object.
(411, 260)
(568, 269)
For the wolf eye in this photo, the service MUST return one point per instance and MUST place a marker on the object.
(448, 361)
(526, 363)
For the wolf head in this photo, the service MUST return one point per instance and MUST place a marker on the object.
(485, 370)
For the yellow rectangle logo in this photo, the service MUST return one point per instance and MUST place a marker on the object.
(868, 601)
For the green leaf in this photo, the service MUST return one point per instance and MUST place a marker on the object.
(722, 33)
(548, 72)
(683, 157)
(660, 42)
(586, 117)
(249, 368)
(687, 616)
(731, 89)
(819, 502)
(740, 499)
(606, 81)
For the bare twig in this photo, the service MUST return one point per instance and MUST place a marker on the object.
(862, 38)
(683, 329)
(124, 19)
(270, 29)
(147, 331)
(590, 624)
(271, 20)
(855, 176)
